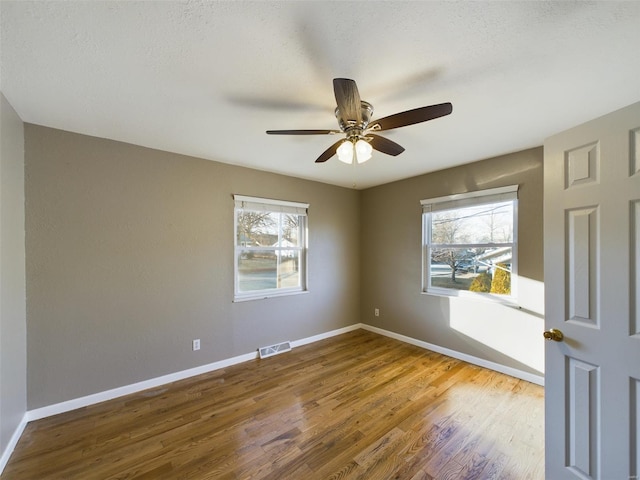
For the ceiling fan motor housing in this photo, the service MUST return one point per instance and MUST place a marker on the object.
(350, 126)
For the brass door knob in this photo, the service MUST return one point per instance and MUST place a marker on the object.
(554, 334)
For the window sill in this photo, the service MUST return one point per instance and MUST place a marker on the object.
(487, 298)
(265, 296)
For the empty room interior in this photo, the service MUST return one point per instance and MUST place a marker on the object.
(285, 240)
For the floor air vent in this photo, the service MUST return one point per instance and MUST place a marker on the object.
(274, 349)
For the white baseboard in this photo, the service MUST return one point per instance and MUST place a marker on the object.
(92, 399)
(6, 454)
(514, 372)
(69, 405)
(76, 403)
(322, 336)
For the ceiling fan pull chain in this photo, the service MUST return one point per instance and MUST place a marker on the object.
(355, 185)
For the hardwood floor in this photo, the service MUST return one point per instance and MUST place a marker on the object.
(356, 406)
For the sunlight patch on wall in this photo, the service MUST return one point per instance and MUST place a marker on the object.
(515, 332)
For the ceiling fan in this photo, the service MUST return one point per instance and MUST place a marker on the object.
(354, 120)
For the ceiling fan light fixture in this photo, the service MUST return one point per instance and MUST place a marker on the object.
(345, 152)
(363, 150)
(354, 119)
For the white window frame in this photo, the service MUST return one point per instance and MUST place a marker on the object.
(462, 200)
(243, 202)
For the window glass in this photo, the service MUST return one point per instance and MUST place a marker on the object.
(490, 223)
(470, 246)
(270, 248)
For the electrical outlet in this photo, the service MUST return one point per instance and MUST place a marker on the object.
(376, 312)
(196, 344)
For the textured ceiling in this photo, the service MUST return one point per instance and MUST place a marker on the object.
(208, 78)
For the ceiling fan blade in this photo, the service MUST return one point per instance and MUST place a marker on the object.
(417, 115)
(348, 99)
(329, 152)
(302, 132)
(384, 145)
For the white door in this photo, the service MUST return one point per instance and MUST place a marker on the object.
(592, 295)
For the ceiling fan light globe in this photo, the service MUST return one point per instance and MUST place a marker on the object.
(345, 152)
(363, 151)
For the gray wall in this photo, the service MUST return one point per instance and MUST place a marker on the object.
(130, 257)
(13, 340)
(391, 265)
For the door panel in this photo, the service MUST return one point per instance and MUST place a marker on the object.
(592, 261)
(634, 328)
(583, 417)
(634, 142)
(582, 165)
(582, 266)
(634, 415)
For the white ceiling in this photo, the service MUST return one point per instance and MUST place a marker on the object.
(207, 78)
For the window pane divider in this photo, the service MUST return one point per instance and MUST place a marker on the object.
(471, 245)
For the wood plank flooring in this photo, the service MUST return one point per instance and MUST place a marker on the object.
(355, 406)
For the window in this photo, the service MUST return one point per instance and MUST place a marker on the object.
(270, 247)
(470, 244)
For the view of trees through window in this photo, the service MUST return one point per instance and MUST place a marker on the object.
(471, 248)
(269, 246)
